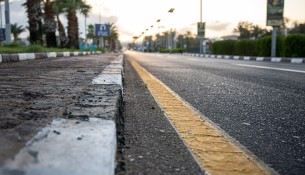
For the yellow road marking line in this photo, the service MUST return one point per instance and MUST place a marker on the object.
(214, 150)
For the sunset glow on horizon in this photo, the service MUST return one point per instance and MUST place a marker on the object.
(133, 17)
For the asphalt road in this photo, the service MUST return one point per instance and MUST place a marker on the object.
(260, 104)
(152, 146)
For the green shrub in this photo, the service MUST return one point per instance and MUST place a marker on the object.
(295, 45)
(245, 47)
(13, 45)
(226, 47)
(263, 46)
(178, 50)
(164, 50)
(34, 48)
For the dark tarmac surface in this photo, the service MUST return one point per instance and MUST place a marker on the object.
(32, 93)
(262, 109)
(152, 146)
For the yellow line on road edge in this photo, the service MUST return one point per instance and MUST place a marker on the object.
(214, 151)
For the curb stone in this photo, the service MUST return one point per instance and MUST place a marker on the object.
(85, 142)
(248, 58)
(5, 58)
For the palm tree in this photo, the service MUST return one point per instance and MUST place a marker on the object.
(84, 9)
(70, 7)
(58, 7)
(49, 23)
(113, 36)
(16, 30)
(33, 8)
(90, 33)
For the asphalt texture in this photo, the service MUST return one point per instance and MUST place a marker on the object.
(152, 146)
(260, 108)
(33, 93)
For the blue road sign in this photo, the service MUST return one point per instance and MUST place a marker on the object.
(102, 29)
(2, 34)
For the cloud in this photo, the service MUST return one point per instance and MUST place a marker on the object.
(217, 26)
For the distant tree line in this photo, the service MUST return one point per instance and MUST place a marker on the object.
(287, 46)
(44, 18)
(248, 30)
(256, 41)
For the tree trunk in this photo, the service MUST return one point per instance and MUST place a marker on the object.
(62, 34)
(50, 25)
(73, 29)
(35, 24)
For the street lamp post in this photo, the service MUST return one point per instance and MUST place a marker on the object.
(7, 23)
(158, 36)
(201, 39)
(170, 34)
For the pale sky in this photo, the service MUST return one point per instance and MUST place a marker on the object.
(132, 17)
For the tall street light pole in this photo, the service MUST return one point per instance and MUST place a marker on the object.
(201, 39)
(170, 34)
(7, 22)
(200, 10)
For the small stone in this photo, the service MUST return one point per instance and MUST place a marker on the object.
(162, 131)
(296, 137)
(141, 157)
(131, 160)
(56, 132)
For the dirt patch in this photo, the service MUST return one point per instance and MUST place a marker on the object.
(32, 93)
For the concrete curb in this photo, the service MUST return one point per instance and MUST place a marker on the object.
(5, 58)
(85, 142)
(250, 58)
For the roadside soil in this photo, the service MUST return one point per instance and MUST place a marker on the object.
(32, 93)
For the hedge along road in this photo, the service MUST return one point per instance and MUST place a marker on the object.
(261, 108)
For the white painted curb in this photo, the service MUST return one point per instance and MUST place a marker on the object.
(0, 58)
(51, 54)
(247, 58)
(297, 60)
(236, 57)
(112, 74)
(70, 147)
(26, 56)
(260, 59)
(66, 54)
(276, 60)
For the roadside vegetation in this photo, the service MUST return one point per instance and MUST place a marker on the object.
(287, 46)
(256, 41)
(45, 20)
(247, 39)
(34, 48)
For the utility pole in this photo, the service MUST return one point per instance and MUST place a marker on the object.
(273, 46)
(7, 22)
(170, 34)
(0, 14)
(201, 39)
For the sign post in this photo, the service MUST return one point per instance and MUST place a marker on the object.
(201, 34)
(2, 34)
(102, 30)
(7, 23)
(275, 10)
